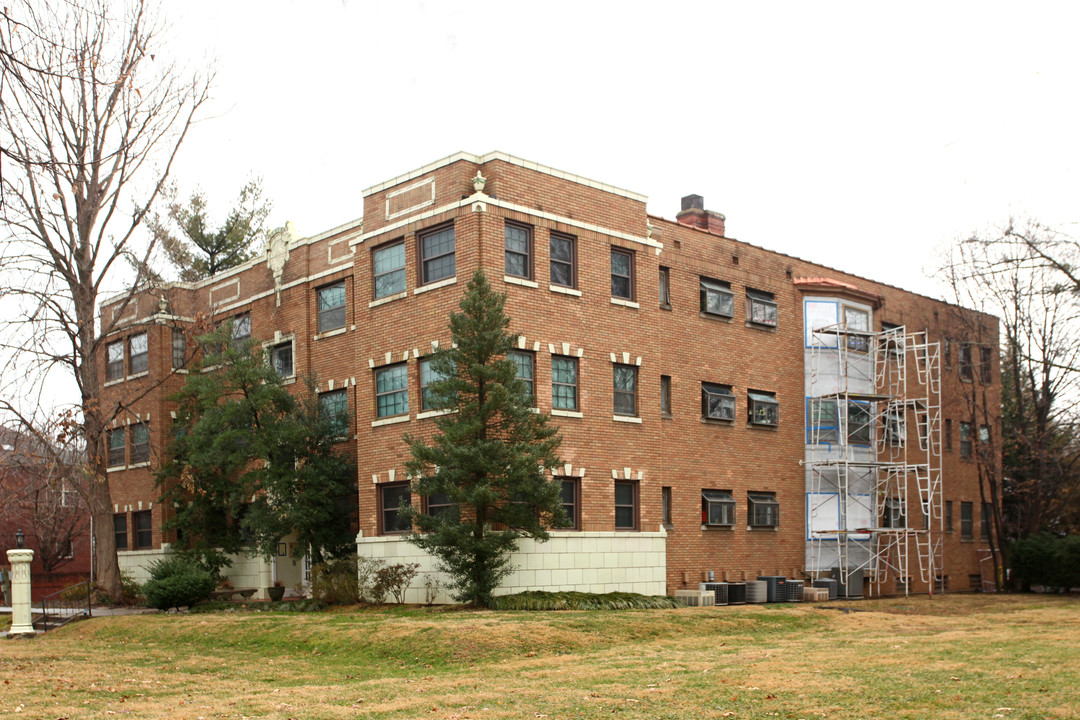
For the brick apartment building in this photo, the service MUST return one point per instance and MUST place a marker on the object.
(723, 408)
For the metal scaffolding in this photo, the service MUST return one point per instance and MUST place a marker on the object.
(874, 452)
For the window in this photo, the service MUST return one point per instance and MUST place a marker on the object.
(625, 506)
(760, 308)
(526, 365)
(179, 348)
(717, 508)
(428, 375)
(119, 522)
(140, 443)
(437, 504)
(518, 250)
(114, 367)
(331, 306)
(986, 520)
(241, 331)
(117, 449)
(564, 383)
(762, 408)
(138, 357)
(947, 352)
(984, 434)
(966, 529)
(392, 391)
(716, 298)
(965, 440)
(281, 357)
(764, 511)
(948, 516)
(570, 495)
(665, 288)
(824, 425)
(948, 435)
(563, 260)
(717, 402)
(144, 536)
(893, 514)
(334, 406)
(389, 269)
(986, 365)
(622, 274)
(437, 255)
(665, 395)
(965, 369)
(665, 507)
(625, 379)
(857, 321)
(895, 425)
(858, 422)
(391, 497)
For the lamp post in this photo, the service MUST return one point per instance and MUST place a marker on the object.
(20, 559)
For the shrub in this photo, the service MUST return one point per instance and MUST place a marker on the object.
(542, 600)
(335, 582)
(394, 580)
(366, 571)
(1053, 562)
(175, 582)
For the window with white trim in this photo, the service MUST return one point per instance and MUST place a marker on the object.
(717, 508)
(525, 362)
(857, 320)
(622, 274)
(392, 390)
(437, 254)
(117, 447)
(563, 252)
(140, 443)
(388, 269)
(179, 348)
(241, 331)
(114, 353)
(518, 240)
(564, 383)
(334, 406)
(138, 354)
(331, 306)
(625, 390)
(281, 358)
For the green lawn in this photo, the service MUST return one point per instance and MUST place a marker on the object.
(952, 657)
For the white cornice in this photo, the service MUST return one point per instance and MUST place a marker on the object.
(505, 157)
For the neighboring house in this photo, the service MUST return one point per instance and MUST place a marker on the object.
(40, 498)
(726, 411)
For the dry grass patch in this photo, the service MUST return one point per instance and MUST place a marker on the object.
(950, 658)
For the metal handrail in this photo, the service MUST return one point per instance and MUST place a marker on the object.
(74, 606)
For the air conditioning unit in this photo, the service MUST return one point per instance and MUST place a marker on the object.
(795, 591)
(815, 594)
(776, 586)
(717, 588)
(696, 598)
(757, 591)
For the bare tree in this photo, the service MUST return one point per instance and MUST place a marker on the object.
(1006, 271)
(92, 117)
(41, 470)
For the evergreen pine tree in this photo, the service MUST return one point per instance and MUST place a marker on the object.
(487, 463)
(250, 463)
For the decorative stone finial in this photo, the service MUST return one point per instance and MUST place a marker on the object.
(479, 182)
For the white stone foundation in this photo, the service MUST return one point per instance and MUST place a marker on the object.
(596, 562)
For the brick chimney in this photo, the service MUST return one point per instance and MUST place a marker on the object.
(693, 213)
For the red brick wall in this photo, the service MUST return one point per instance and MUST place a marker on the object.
(681, 452)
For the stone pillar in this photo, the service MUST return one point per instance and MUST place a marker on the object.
(21, 625)
(265, 579)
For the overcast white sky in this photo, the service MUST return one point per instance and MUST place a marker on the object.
(859, 135)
